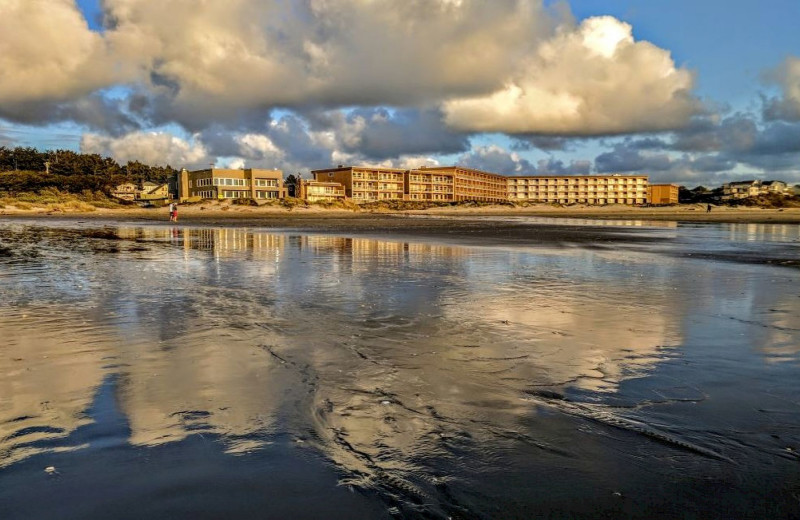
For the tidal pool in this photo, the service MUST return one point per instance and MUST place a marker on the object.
(152, 371)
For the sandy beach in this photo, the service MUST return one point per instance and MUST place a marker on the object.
(385, 366)
(213, 212)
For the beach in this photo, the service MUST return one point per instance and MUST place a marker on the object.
(212, 212)
(384, 366)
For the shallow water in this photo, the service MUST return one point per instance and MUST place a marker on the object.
(192, 372)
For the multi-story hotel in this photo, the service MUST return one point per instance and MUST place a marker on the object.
(430, 185)
(436, 184)
(366, 184)
(219, 183)
(587, 189)
(470, 184)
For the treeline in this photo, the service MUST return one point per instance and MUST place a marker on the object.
(25, 169)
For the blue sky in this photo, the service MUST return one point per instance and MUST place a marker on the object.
(727, 42)
(712, 97)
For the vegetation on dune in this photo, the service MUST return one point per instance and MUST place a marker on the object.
(772, 200)
(27, 170)
(52, 199)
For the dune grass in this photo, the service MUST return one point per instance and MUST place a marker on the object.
(52, 199)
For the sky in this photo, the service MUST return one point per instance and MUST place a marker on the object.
(686, 91)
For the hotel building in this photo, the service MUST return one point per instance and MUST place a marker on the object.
(435, 184)
(219, 183)
(470, 184)
(429, 185)
(366, 184)
(587, 189)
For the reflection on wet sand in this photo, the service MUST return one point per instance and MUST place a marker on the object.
(753, 232)
(389, 357)
(48, 382)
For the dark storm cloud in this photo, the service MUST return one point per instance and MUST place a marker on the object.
(404, 132)
(96, 111)
(495, 159)
(162, 106)
(710, 143)
(541, 142)
(628, 157)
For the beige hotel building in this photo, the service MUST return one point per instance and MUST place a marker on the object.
(586, 189)
(365, 184)
(435, 184)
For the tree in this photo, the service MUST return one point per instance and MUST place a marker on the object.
(70, 171)
(292, 182)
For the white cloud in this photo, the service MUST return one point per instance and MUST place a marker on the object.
(258, 145)
(787, 76)
(48, 52)
(506, 65)
(153, 148)
(235, 164)
(592, 79)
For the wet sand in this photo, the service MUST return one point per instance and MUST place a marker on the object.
(437, 371)
(213, 213)
(476, 230)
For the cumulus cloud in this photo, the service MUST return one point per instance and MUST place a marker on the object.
(48, 52)
(506, 65)
(787, 106)
(220, 57)
(593, 79)
(154, 148)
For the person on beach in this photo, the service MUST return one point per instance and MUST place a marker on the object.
(708, 208)
(174, 213)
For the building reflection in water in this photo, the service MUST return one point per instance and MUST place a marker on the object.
(754, 232)
(374, 350)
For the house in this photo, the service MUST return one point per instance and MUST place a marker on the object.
(316, 191)
(153, 191)
(125, 191)
(753, 188)
(774, 187)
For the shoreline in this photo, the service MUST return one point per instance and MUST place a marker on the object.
(213, 213)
